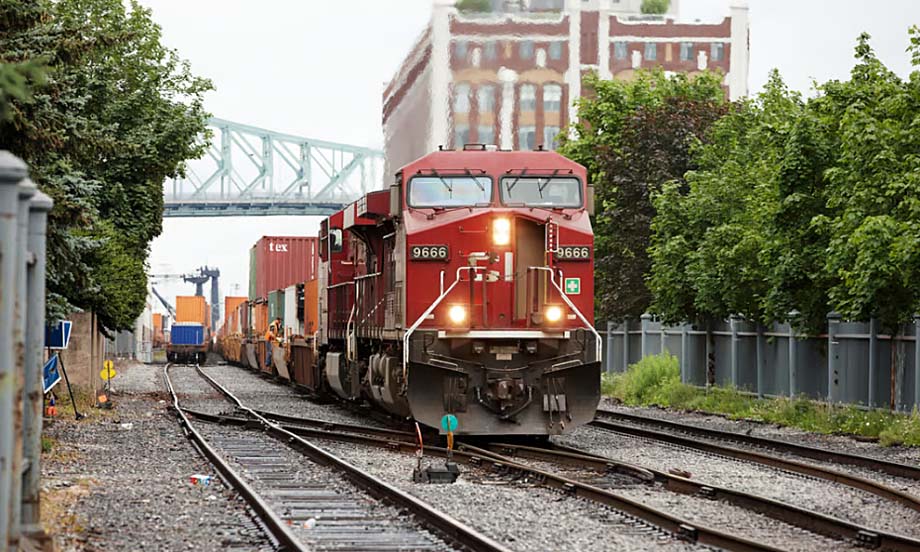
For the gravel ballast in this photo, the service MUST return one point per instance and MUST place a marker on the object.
(119, 480)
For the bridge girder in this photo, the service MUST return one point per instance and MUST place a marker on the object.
(249, 171)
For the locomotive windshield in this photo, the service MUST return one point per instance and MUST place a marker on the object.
(450, 191)
(541, 191)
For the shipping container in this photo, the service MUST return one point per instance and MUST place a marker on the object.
(245, 321)
(157, 329)
(275, 305)
(311, 307)
(187, 333)
(292, 325)
(260, 319)
(192, 308)
(276, 262)
(230, 305)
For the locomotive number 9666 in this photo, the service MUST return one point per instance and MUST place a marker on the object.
(574, 253)
(428, 252)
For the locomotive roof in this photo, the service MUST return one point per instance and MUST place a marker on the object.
(492, 162)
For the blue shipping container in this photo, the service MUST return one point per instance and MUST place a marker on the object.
(186, 334)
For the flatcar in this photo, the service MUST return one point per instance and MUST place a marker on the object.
(466, 288)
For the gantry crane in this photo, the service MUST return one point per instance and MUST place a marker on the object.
(204, 274)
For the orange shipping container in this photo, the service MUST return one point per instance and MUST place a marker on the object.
(310, 307)
(230, 305)
(260, 319)
(192, 308)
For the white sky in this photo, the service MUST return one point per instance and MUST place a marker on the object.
(317, 68)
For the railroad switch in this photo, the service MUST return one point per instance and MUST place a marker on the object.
(436, 474)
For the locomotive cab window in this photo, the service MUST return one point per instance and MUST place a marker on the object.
(542, 191)
(335, 240)
(450, 191)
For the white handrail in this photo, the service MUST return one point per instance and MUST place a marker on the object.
(428, 311)
(552, 278)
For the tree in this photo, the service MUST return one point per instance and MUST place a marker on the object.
(634, 137)
(118, 114)
(474, 6)
(655, 7)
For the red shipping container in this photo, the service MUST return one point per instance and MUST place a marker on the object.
(283, 261)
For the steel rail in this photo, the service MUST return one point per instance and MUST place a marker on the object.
(809, 520)
(276, 527)
(483, 459)
(449, 527)
(794, 466)
(815, 453)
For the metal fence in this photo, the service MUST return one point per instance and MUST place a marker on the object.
(23, 218)
(851, 362)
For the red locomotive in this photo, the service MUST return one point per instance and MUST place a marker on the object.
(466, 288)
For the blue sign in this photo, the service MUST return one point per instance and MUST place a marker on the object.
(449, 423)
(58, 336)
(50, 374)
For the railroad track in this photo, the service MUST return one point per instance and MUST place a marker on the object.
(340, 520)
(631, 424)
(507, 455)
(399, 441)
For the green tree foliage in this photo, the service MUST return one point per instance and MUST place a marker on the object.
(813, 206)
(474, 6)
(633, 137)
(655, 7)
(117, 115)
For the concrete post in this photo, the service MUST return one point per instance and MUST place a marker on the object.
(761, 354)
(833, 353)
(733, 322)
(626, 344)
(873, 360)
(646, 319)
(917, 361)
(12, 171)
(26, 191)
(609, 360)
(35, 342)
(663, 346)
(793, 355)
(684, 354)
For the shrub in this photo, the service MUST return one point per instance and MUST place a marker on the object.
(655, 7)
(647, 380)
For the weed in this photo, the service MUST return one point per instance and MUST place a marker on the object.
(655, 380)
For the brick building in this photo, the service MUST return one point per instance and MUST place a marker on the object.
(509, 77)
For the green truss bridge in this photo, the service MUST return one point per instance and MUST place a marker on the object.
(251, 171)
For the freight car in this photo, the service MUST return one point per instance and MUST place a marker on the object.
(464, 289)
(188, 342)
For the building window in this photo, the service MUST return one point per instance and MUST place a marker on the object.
(486, 134)
(528, 98)
(462, 98)
(490, 50)
(549, 137)
(461, 135)
(717, 51)
(527, 138)
(651, 51)
(686, 51)
(552, 98)
(526, 49)
(460, 49)
(555, 50)
(619, 50)
(486, 97)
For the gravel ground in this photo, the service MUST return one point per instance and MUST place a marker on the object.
(111, 486)
(195, 393)
(519, 515)
(818, 495)
(907, 455)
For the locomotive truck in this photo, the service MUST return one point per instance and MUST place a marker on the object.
(466, 288)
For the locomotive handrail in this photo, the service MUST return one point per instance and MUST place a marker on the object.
(427, 312)
(552, 278)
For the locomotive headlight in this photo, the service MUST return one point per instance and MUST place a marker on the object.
(553, 314)
(457, 314)
(501, 231)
